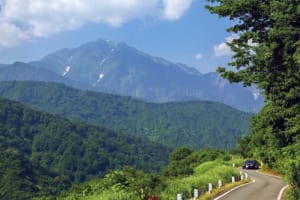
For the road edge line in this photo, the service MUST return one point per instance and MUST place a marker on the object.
(281, 192)
(233, 189)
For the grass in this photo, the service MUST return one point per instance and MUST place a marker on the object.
(209, 172)
(219, 191)
(267, 170)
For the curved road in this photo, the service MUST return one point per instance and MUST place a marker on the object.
(264, 187)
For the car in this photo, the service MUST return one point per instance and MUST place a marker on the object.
(251, 164)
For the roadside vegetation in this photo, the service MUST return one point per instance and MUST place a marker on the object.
(187, 170)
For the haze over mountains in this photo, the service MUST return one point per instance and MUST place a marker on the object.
(120, 69)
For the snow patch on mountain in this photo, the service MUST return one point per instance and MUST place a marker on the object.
(101, 76)
(102, 61)
(66, 71)
(70, 58)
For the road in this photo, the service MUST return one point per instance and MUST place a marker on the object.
(264, 187)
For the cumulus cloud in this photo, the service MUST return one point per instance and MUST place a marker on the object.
(175, 8)
(198, 56)
(10, 34)
(24, 19)
(223, 49)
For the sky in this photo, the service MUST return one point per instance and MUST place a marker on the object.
(181, 31)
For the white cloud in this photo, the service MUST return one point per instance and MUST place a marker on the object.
(223, 49)
(10, 35)
(24, 19)
(174, 9)
(252, 44)
(198, 56)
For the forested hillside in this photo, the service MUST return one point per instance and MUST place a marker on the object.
(75, 151)
(20, 178)
(197, 124)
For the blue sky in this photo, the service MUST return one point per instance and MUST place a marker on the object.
(177, 30)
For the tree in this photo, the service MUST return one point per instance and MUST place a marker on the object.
(266, 52)
(179, 163)
(131, 180)
(267, 44)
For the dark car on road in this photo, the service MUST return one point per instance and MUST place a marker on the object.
(251, 164)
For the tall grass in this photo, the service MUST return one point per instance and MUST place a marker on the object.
(209, 172)
(102, 195)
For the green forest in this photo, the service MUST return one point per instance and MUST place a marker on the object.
(197, 124)
(43, 153)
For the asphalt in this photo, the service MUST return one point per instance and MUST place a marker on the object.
(263, 187)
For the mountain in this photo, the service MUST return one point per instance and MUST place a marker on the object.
(120, 69)
(25, 72)
(197, 124)
(2, 65)
(76, 151)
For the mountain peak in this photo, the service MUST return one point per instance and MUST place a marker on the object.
(118, 68)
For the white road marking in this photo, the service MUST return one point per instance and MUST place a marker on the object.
(233, 189)
(281, 192)
(282, 189)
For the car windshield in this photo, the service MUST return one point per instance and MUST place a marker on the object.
(250, 162)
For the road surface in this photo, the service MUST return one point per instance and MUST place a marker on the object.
(264, 187)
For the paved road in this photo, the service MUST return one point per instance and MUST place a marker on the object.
(264, 188)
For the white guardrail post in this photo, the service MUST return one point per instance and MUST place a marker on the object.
(244, 176)
(220, 183)
(196, 194)
(210, 187)
(179, 196)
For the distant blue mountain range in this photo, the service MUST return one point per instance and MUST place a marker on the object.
(120, 69)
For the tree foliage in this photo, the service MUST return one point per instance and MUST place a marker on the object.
(20, 178)
(74, 152)
(267, 53)
(183, 160)
(208, 166)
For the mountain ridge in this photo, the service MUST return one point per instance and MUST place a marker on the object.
(197, 124)
(118, 68)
